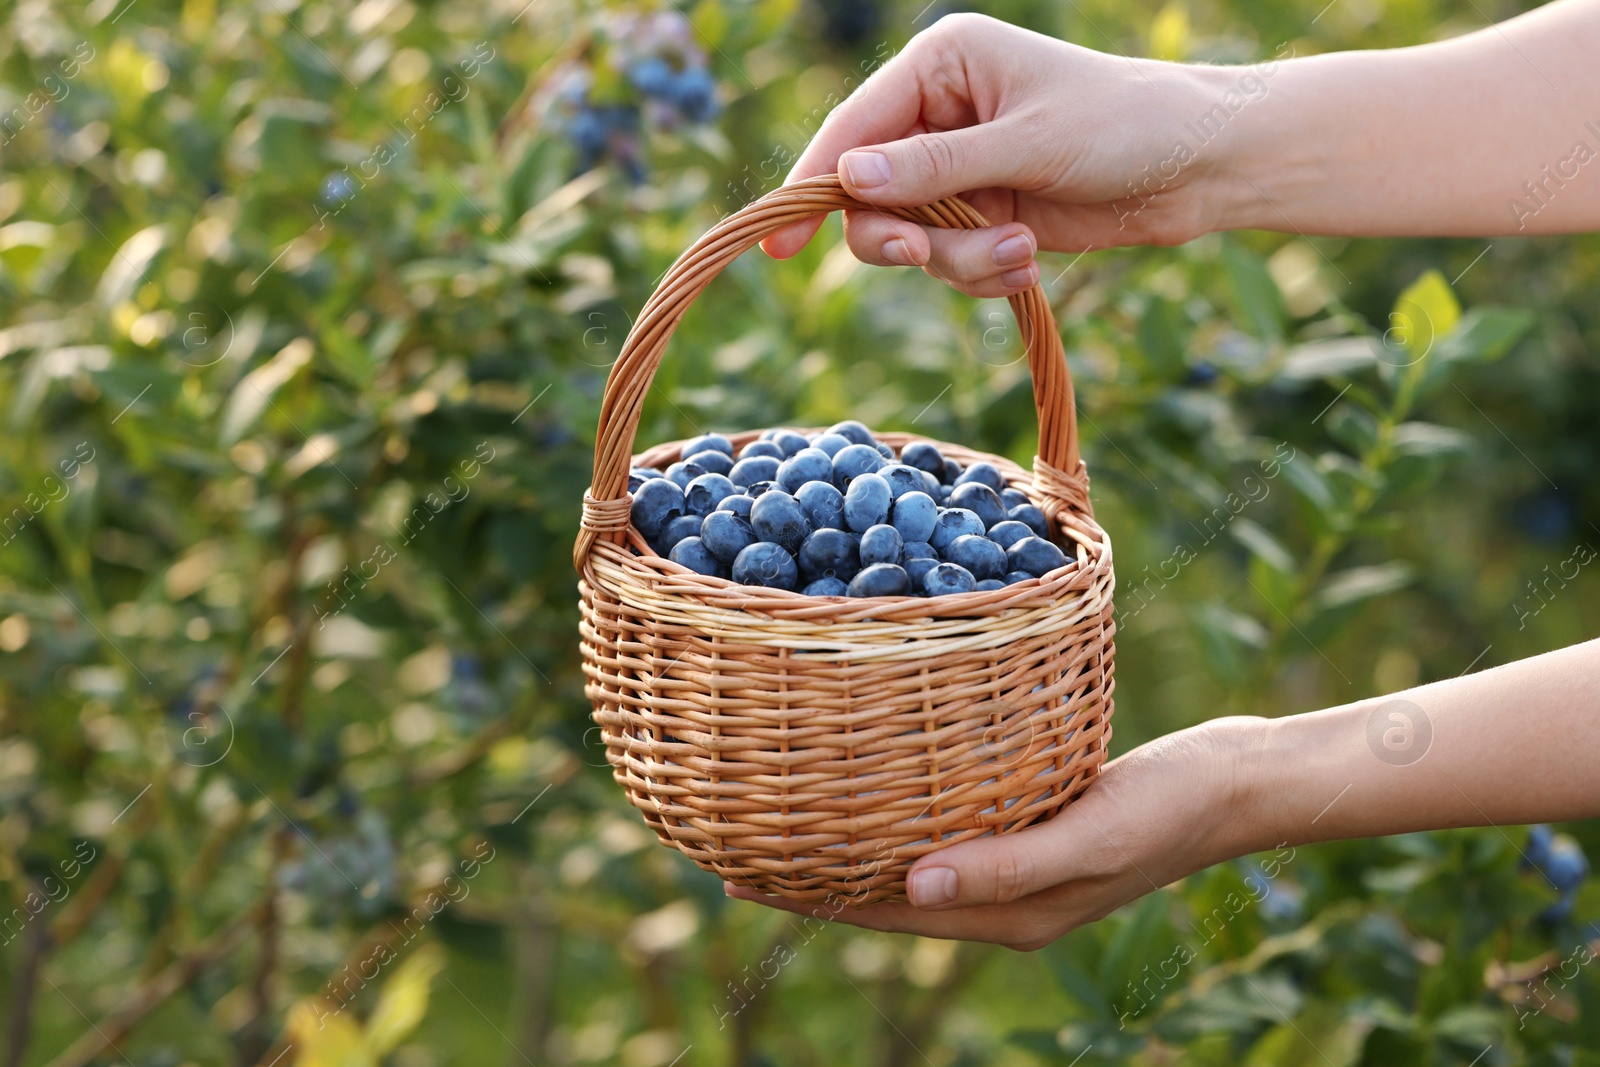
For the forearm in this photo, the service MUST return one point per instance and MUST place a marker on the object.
(1441, 139)
(1512, 745)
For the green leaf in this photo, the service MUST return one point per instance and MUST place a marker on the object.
(1263, 545)
(1352, 427)
(256, 389)
(1361, 583)
(1427, 439)
(1162, 339)
(1426, 311)
(1485, 334)
(1307, 479)
(404, 999)
(1338, 357)
(1257, 302)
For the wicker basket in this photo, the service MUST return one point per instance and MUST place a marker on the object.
(815, 747)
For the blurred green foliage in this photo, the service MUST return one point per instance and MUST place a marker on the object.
(304, 319)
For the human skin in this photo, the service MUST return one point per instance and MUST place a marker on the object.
(1067, 149)
(1047, 139)
(1511, 745)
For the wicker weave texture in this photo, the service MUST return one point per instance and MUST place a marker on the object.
(815, 747)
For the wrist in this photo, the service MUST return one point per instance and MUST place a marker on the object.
(1245, 818)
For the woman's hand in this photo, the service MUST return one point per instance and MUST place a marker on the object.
(1165, 810)
(1063, 148)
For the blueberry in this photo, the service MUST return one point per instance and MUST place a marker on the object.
(739, 504)
(1537, 852)
(778, 517)
(832, 443)
(866, 502)
(766, 564)
(639, 475)
(880, 544)
(1013, 577)
(792, 443)
(924, 457)
(829, 554)
(726, 535)
(652, 76)
(883, 450)
(948, 578)
(853, 461)
(761, 448)
(917, 550)
(980, 500)
(1036, 556)
(679, 528)
(807, 465)
(823, 505)
(1567, 867)
(978, 554)
(989, 584)
(695, 92)
(917, 570)
(755, 489)
(881, 579)
(984, 474)
(826, 587)
(914, 515)
(707, 491)
(712, 461)
(1559, 912)
(712, 442)
(1031, 517)
(1011, 497)
(1005, 534)
(953, 523)
(684, 473)
(691, 552)
(952, 471)
(902, 479)
(656, 503)
(853, 431)
(942, 496)
(747, 472)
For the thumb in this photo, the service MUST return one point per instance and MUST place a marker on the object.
(999, 870)
(930, 166)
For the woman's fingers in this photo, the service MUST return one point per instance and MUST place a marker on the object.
(995, 261)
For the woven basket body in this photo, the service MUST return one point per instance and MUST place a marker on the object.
(815, 747)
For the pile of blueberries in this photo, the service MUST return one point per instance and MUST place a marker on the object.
(1563, 864)
(839, 514)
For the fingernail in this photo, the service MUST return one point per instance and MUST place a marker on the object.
(1014, 249)
(1020, 278)
(867, 170)
(898, 251)
(931, 886)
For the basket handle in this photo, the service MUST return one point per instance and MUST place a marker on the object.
(605, 505)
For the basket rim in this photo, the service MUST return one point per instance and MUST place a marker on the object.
(1066, 586)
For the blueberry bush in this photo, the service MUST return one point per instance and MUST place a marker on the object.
(305, 311)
